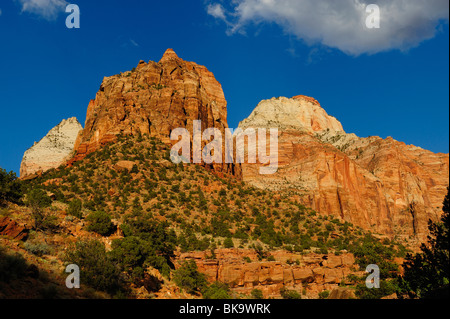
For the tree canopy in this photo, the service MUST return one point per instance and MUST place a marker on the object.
(427, 273)
(10, 188)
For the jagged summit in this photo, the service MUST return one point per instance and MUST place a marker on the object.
(153, 99)
(169, 55)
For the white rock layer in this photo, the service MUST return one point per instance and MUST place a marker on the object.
(299, 114)
(52, 150)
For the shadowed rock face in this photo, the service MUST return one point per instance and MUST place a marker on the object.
(154, 99)
(52, 150)
(382, 185)
(10, 228)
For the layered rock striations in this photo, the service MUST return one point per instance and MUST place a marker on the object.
(241, 270)
(52, 150)
(153, 99)
(381, 185)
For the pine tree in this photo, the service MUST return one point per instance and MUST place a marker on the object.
(427, 273)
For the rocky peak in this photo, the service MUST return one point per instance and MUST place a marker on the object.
(53, 149)
(299, 113)
(169, 55)
(153, 99)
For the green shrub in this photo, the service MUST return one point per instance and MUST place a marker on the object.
(157, 238)
(133, 255)
(75, 208)
(228, 243)
(100, 223)
(324, 294)
(38, 201)
(370, 250)
(38, 249)
(257, 294)
(97, 268)
(189, 278)
(387, 287)
(10, 188)
(217, 290)
(135, 169)
(289, 294)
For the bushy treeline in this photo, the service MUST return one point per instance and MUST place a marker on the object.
(427, 273)
(146, 243)
(10, 188)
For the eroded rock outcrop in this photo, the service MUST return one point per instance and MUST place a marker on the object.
(241, 270)
(154, 98)
(10, 228)
(52, 150)
(381, 185)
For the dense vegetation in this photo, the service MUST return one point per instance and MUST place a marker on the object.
(10, 188)
(204, 210)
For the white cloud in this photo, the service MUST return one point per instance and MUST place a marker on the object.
(341, 24)
(47, 9)
(217, 11)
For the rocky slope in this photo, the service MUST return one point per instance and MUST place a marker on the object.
(379, 184)
(52, 150)
(154, 98)
(188, 210)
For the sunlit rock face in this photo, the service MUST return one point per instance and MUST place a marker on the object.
(52, 150)
(154, 99)
(381, 185)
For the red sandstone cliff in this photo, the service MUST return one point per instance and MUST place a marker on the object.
(381, 185)
(154, 99)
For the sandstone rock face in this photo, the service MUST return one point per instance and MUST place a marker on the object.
(381, 185)
(311, 273)
(154, 99)
(52, 150)
(124, 165)
(10, 228)
(301, 113)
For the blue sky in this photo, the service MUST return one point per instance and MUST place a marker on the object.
(394, 84)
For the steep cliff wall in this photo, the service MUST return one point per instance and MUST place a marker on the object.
(382, 185)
